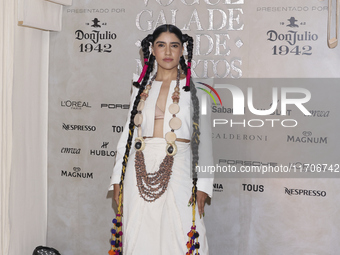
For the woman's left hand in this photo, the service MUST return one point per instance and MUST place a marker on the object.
(200, 201)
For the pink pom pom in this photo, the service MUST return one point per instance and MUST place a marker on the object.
(187, 85)
(145, 67)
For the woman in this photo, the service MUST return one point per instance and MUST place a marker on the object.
(157, 181)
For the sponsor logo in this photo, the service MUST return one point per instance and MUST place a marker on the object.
(70, 127)
(305, 192)
(253, 187)
(307, 138)
(218, 187)
(103, 152)
(117, 129)
(76, 174)
(115, 106)
(318, 113)
(96, 40)
(245, 162)
(292, 42)
(70, 150)
(222, 109)
(243, 137)
(76, 105)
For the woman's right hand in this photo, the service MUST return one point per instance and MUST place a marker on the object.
(116, 188)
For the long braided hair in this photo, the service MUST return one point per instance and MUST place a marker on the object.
(149, 59)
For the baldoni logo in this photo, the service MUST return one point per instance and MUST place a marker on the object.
(204, 102)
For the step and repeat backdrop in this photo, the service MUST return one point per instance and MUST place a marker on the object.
(275, 129)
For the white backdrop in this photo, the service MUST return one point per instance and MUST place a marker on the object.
(91, 65)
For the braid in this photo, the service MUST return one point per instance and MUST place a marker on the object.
(146, 52)
(195, 138)
(187, 67)
(196, 132)
(117, 233)
(193, 234)
(148, 60)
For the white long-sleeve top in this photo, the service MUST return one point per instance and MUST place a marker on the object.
(185, 114)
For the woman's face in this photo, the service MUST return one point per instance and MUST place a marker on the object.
(167, 50)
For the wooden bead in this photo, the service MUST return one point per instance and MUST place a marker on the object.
(174, 108)
(170, 137)
(173, 151)
(146, 91)
(175, 123)
(148, 87)
(139, 143)
(140, 106)
(140, 131)
(175, 94)
(138, 119)
(177, 89)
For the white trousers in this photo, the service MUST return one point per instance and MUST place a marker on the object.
(160, 227)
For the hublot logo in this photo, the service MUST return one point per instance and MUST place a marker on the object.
(102, 152)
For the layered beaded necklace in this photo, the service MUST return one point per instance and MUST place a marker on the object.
(152, 185)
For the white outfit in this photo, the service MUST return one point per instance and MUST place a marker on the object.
(161, 227)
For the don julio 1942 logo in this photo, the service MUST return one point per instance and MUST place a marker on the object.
(97, 40)
(294, 41)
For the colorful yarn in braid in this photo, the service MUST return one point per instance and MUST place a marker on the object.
(192, 244)
(116, 231)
